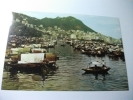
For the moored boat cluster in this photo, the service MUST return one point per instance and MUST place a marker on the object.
(98, 48)
(30, 55)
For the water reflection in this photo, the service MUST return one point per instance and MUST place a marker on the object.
(97, 75)
(70, 76)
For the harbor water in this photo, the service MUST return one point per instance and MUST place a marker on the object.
(70, 76)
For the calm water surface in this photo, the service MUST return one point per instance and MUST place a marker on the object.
(70, 77)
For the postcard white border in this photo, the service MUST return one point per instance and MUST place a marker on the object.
(121, 9)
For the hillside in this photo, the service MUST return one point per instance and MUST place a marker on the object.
(65, 23)
(58, 27)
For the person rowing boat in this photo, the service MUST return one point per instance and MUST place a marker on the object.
(96, 67)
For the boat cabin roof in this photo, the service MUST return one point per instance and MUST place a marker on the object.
(97, 63)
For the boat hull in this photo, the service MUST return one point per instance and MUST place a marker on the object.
(96, 69)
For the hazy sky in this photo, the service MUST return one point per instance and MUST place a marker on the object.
(108, 26)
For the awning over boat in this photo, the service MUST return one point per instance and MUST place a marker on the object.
(32, 58)
(97, 63)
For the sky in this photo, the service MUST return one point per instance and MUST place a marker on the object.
(108, 26)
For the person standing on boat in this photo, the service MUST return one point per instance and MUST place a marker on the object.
(96, 64)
